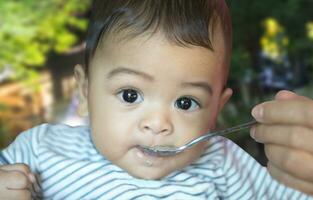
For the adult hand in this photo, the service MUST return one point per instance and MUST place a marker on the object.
(286, 129)
(15, 181)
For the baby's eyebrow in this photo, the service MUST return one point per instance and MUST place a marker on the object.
(199, 84)
(124, 70)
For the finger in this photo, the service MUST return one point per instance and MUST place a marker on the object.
(22, 168)
(287, 95)
(16, 167)
(290, 161)
(297, 137)
(289, 180)
(14, 180)
(292, 112)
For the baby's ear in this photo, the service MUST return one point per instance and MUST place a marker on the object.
(82, 90)
(225, 96)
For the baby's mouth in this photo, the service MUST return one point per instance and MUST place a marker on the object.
(141, 148)
(148, 160)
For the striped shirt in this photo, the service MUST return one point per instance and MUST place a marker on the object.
(68, 167)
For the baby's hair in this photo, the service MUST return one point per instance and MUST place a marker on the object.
(184, 22)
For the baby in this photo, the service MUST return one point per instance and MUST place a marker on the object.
(155, 74)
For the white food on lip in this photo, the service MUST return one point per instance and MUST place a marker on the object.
(141, 155)
(148, 163)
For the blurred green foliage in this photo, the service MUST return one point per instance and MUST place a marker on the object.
(29, 29)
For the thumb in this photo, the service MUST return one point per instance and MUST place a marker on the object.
(16, 176)
(14, 180)
(288, 95)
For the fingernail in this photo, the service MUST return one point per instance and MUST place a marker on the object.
(32, 177)
(258, 112)
(252, 132)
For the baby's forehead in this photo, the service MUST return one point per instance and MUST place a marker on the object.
(156, 50)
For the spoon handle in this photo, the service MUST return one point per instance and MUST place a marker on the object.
(222, 132)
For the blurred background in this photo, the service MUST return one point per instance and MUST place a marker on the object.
(41, 41)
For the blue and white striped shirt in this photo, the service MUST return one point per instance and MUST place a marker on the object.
(68, 167)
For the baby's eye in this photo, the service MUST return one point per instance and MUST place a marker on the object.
(130, 96)
(187, 103)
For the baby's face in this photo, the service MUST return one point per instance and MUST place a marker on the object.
(147, 91)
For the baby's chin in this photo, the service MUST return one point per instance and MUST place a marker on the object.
(144, 166)
(141, 165)
(148, 173)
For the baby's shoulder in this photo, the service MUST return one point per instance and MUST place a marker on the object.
(215, 150)
(220, 147)
(57, 134)
(216, 153)
(57, 130)
(63, 130)
(60, 140)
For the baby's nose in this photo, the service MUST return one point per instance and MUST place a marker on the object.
(156, 123)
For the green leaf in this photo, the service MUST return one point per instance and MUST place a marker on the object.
(30, 29)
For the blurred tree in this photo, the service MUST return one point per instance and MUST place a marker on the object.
(29, 29)
(309, 27)
(293, 37)
(274, 42)
(294, 15)
(293, 20)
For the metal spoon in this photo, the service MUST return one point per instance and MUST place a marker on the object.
(173, 150)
